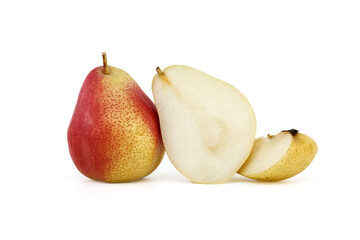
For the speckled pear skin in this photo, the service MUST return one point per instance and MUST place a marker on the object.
(300, 154)
(114, 134)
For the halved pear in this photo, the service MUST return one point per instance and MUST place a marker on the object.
(279, 157)
(208, 127)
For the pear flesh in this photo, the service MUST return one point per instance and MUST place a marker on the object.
(279, 157)
(208, 126)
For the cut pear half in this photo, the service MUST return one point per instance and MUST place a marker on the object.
(279, 157)
(207, 125)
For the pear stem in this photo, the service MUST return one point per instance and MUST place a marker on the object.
(106, 68)
(158, 70)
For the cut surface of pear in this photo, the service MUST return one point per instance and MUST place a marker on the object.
(208, 126)
(279, 157)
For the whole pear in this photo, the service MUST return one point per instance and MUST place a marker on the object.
(114, 134)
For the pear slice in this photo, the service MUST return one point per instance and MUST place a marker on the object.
(279, 157)
(208, 127)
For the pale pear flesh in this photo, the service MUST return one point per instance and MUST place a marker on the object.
(279, 157)
(208, 126)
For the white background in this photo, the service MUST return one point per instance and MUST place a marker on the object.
(297, 62)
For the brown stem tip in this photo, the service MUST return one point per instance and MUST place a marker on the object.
(158, 70)
(106, 68)
(291, 131)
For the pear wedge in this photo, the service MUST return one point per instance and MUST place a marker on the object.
(279, 157)
(208, 126)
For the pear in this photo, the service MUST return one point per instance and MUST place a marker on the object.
(208, 126)
(279, 157)
(114, 134)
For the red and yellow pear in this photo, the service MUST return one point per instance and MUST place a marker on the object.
(114, 134)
